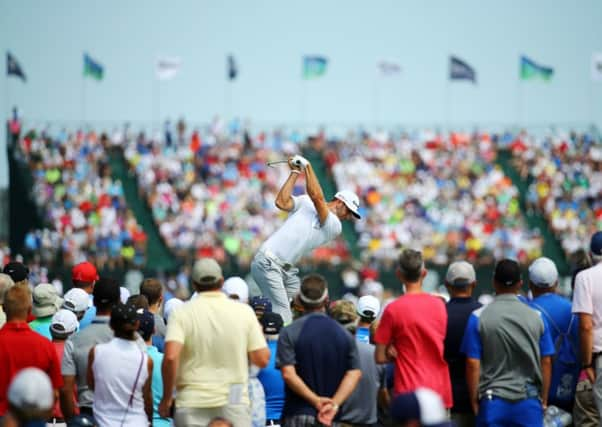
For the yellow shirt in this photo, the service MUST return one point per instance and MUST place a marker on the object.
(217, 333)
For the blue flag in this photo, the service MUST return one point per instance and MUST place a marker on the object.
(92, 68)
(529, 69)
(13, 68)
(314, 66)
(232, 68)
(460, 70)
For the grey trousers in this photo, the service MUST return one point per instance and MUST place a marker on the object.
(585, 413)
(279, 285)
(239, 415)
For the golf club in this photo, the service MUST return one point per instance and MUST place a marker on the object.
(276, 162)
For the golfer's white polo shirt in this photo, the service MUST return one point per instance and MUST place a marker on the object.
(301, 233)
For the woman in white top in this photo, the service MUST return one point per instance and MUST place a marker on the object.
(118, 372)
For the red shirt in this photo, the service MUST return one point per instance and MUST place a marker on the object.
(21, 347)
(416, 325)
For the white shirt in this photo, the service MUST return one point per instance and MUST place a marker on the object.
(301, 233)
(587, 298)
(115, 367)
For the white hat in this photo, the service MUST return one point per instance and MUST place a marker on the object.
(64, 322)
(46, 300)
(124, 294)
(368, 306)
(31, 389)
(543, 273)
(351, 201)
(237, 286)
(76, 300)
(460, 273)
(170, 306)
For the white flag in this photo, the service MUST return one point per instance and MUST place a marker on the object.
(167, 68)
(597, 66)
(388, 68)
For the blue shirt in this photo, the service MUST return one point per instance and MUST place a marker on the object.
(362, 334)
(157, 386)
(89, 315)
(273, 385)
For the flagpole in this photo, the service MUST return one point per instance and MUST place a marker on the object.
(519, 104)
(228, 101)
(375, 101)
(448, 104)
(83, 101)
(155, 105)
(304, 102)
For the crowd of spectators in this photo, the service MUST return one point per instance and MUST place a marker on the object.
(83, 208)
(565, 175)
(442, 193)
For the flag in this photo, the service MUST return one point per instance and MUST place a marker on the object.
(460, 70)
(314, 66)
(13, 68)
(167, 68)
(529, 69)
(92, 68)
(232, 69)
(597, 66)
(388, 68)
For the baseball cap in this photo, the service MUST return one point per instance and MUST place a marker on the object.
(595, 245)
(423, 405)
(64, 322)
(123, 314)
(170, 306)
(46, 300)
(16, 270)
(147, 324)
(31, 390)
(76, 300)
(351, 201)
(271, 323)
(237, 286)
(343, 311)
(106, 291)
(81, 420)
(543, 273)
(460, 273)
(368, 306)
(84, 272)
(507, 272)
(260, 303)
(206, 271)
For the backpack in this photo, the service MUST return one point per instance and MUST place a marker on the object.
(565, 363)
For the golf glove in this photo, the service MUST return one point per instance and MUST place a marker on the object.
(300, 161)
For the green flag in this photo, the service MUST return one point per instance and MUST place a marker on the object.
(314, 66)
(92, 68)
(529, 69)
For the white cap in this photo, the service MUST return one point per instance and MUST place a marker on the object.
(124, 294)
(237, 286)
(432, 410)
(170, 306)
(31, 389)
(368, 306)
(76, 300)
(543, 273)
(351, 201)
(64, 322)
(460, 273)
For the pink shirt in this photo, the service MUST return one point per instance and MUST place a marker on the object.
(416, 325)
(587, 298)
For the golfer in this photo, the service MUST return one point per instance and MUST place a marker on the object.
(311, 222)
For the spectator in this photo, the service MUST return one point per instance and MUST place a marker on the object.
(63, 325)
(30, 399)
(417, 339)
(76, 300)
(122, 392)
(208, 342)
(124, 294)
(270, 377)
(460, 282)
(508, 348)
(46, 302)
(84, 276)
(420, 408)
(360, 408)
(236, 288)
(5, 284)
(261, 305)
(147, 330)
(75, 359)
(564, 329)
(170, 306)
(20, 347)
(18, 272)
(318, 359)
(587, 301)
(368, 309)
(152, 289)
